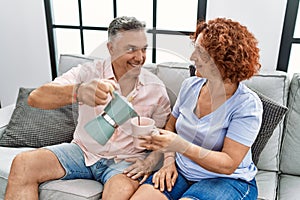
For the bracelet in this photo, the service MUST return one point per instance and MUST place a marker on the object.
(75, 95)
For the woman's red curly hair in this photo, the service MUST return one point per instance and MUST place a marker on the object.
(232, 47)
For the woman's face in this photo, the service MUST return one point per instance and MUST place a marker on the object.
(205, 66)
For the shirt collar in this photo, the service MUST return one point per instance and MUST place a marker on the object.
(108, 70)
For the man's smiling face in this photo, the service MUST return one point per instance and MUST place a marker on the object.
(128, 52)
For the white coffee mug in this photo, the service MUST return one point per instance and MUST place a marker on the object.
(142, 126)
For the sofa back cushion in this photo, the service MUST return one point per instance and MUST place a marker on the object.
(274, 85)
(290, 157)
(173, 74)
(67, 61)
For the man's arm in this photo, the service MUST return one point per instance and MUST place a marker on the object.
(52, 96)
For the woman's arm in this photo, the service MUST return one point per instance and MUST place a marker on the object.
(167, 175)
(224, 162)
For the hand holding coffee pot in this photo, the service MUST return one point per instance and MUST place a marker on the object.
(95, 92)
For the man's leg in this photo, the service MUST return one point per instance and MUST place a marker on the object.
(116, 184)
(28, 170)
(119, 187)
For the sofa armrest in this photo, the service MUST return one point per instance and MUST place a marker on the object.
(5, 115)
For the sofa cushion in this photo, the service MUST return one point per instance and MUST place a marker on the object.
(290, 154)
(71, 189)
(5, 115)
(33, 127)
(274, 85)
(273, 113)
(289, 187)
(172, 74)
(267, 183)
(6, 158)
(58, 189)
(67, 61)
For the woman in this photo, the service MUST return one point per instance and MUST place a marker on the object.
(214, 122)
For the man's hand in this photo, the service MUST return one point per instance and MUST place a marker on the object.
(95, 92)
(139, 168)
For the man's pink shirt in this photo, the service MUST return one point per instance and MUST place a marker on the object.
(150, 100)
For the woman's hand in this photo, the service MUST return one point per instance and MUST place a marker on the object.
(166, 141)
(166, 176)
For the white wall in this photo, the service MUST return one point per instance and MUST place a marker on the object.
(24, 52)
(264, 18)
(24, 55)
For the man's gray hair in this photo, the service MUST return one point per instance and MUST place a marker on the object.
(124, 23)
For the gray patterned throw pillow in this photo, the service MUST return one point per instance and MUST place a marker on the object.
(272, 115)
(33, 127)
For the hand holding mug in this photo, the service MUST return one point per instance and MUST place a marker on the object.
(166, 141)
(142, 126)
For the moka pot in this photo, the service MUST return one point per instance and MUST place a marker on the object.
(117, 111)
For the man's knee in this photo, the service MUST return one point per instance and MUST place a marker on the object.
(22, 162)
(21, 167)
(30, 166)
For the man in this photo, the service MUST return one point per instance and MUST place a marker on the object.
(117, 164)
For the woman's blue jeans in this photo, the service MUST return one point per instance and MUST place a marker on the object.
(211, 189)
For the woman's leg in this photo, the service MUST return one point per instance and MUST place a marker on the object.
(222, 189)
(147, 190)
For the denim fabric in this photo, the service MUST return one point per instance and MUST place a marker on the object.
(71, 158)
(211, 189)
(222, 189)
(180, 186)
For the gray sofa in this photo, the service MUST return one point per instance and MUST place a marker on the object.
(279, 171)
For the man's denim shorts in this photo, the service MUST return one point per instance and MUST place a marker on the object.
(211, 189)
(71, 158)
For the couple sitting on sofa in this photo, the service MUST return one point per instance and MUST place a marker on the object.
(207, 138)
